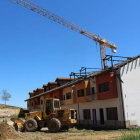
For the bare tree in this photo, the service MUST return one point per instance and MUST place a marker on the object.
(5, 96)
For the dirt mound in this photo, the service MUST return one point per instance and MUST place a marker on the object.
(8, 132)
(2, 105)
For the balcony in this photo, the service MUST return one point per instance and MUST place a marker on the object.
(62, 102)
(29, 108)
(91, 97)
(38, 106)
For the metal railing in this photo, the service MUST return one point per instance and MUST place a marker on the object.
(62, 102)
(91, 97)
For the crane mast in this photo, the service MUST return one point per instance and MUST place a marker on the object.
(103, 43)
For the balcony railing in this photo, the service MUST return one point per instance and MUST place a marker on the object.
(29, 108)
(91, 97)
(62, 102)
(38, 106)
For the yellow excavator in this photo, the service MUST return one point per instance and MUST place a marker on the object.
(52, 116)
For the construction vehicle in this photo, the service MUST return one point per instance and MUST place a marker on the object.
(103, 43)
(52, 116)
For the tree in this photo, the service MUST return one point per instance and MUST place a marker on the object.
(5, 96)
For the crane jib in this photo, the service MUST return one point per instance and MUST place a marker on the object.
(29, 5)
(102, 41)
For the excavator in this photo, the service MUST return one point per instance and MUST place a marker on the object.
(52, 116)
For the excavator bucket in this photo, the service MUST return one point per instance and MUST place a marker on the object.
(18, 124)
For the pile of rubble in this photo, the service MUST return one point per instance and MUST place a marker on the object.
(8, 132)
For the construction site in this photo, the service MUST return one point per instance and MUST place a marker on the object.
(98, 102)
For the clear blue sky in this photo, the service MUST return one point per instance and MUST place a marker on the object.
(35, 50)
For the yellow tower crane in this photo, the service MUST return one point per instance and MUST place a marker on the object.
(103, 43)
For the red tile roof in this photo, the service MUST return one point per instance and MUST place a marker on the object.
(45, 85)
(57, 88)
(64, 78)
(52, 83)
(31, 92)
(40, 88)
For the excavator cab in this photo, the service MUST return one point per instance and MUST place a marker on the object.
(51, 105)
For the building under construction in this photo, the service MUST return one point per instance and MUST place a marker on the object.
(106, 98)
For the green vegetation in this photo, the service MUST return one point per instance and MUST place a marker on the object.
(13, 116)
(76, 129)
(22, 118)
(12, 106)
(16, 116)
(133, 134)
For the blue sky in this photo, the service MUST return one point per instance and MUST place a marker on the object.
(35, 50)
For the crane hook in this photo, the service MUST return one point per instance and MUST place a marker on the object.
(96, 46)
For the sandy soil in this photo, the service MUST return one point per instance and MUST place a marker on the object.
(9, 111)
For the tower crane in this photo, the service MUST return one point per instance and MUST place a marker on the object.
(103, 43)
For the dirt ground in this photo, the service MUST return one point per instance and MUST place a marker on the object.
(73, 135)
(8, 132)
(9, 122)
(8, 111)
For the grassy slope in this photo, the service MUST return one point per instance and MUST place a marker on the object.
(12, 106)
